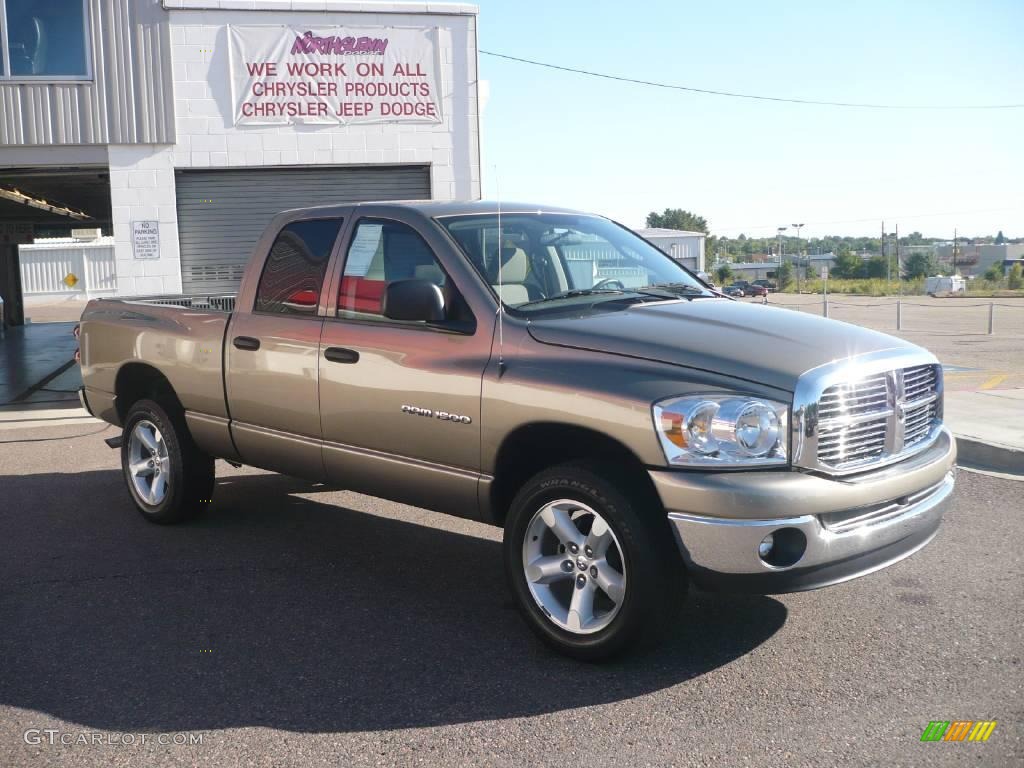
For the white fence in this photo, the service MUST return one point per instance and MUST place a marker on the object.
(47, 263)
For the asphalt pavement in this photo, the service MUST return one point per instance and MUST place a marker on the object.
(300, 625)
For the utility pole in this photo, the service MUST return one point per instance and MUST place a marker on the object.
(954, 250)
(888, 263)
(899, 271)
(780, 230)
(800, 245)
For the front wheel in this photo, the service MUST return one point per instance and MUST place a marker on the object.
(169, 478)
(594, 571)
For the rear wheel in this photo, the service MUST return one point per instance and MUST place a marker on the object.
(594, 571)
(168, 477)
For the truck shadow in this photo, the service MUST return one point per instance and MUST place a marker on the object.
(281, 611)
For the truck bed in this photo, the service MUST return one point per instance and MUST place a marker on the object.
(181, 337)
(221, 302)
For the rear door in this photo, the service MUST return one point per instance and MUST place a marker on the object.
(272, 367)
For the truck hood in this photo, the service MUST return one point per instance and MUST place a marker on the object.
(754, 342)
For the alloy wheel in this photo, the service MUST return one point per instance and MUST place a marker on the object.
(149, 463)
(574, 566)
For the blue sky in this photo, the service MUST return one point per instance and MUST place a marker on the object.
(749, 166)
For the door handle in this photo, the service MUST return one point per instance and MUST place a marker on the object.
(341, 355)
(246, 342)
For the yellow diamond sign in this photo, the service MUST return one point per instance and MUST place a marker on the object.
(70, 279)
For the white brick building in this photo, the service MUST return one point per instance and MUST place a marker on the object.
(157, 128)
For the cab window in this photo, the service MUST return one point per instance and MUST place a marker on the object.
(382, 252)
(293, 275)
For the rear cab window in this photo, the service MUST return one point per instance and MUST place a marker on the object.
(293, 275)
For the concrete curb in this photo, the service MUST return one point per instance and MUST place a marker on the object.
(976, 454)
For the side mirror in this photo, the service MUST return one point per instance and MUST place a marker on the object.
(415, 300)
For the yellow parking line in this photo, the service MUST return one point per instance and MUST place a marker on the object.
(995, 381)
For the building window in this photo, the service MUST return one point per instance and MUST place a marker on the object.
(294, 273)
(48, 40)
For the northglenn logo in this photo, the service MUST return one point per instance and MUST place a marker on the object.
(310, 43)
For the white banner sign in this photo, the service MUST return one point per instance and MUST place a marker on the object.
(329, 75)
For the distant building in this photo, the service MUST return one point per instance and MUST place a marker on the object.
(819, 260)
(750, 270)
(975, 259)
(685, 247)
(766, 269)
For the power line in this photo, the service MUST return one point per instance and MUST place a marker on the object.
(907, 217)
(710, 92)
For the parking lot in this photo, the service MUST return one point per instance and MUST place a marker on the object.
(954, 329)
(299, 624)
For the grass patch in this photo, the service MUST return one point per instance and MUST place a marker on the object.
(977, 288)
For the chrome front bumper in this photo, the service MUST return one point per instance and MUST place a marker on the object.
(849, 526)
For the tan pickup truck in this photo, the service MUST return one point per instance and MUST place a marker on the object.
(547, 371)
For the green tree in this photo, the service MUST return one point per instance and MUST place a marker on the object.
(876, 267)
(677, 218)
(810, 272)
(724, 273)
(1016, 278)
(784, 275)
(1000, 239)
(994, 273)
(848, 265)
(919, 265)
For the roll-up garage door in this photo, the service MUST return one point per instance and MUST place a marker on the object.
(222, 213)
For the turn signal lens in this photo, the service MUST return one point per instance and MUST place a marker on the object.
(672, 428)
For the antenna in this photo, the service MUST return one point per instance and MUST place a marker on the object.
(501, 284)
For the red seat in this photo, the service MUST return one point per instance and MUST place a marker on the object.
(357, 294)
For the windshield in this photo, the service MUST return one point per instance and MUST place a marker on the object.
(549, 257)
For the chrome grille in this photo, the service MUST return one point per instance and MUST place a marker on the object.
(872, 418)
(854, 398)
(853, 420)
(841, 445)
(918, 382)
(918, 423)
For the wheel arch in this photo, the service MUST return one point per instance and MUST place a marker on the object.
(534, 447)
(137, 381)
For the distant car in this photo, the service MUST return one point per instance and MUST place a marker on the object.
(733, 290)
(768, 285)
(749, 289)
(753, 289)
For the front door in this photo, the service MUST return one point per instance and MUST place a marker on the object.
(400, 401)
(272, 354)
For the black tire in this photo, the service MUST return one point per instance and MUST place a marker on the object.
(656, 580)
(190, 472)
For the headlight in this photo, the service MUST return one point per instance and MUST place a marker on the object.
(722, 430)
